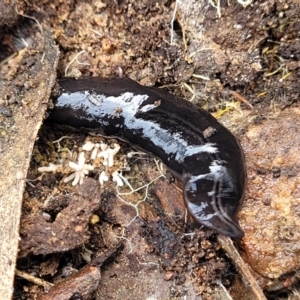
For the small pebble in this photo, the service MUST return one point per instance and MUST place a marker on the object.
(168, 275)
(5, 111)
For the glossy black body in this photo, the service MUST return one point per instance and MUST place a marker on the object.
(200, 152)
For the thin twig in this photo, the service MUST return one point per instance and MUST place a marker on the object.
(241, 98)
(38, 281)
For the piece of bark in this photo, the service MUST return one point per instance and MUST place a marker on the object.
(84, 282)
(25, 85)
(70, 228)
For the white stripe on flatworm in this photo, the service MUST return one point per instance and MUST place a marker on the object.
(218, 173)
(131, 104)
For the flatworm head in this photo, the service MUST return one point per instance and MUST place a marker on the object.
(212, 199)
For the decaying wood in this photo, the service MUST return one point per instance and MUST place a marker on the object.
(16, 149)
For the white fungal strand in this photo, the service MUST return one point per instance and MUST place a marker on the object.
(81, 169)
(95, 151)
(132, 153)
(103, 177)
(108, 154)
(112, 153)
(116, 177)
(88, 146)
(50, 168)
(103, 147)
